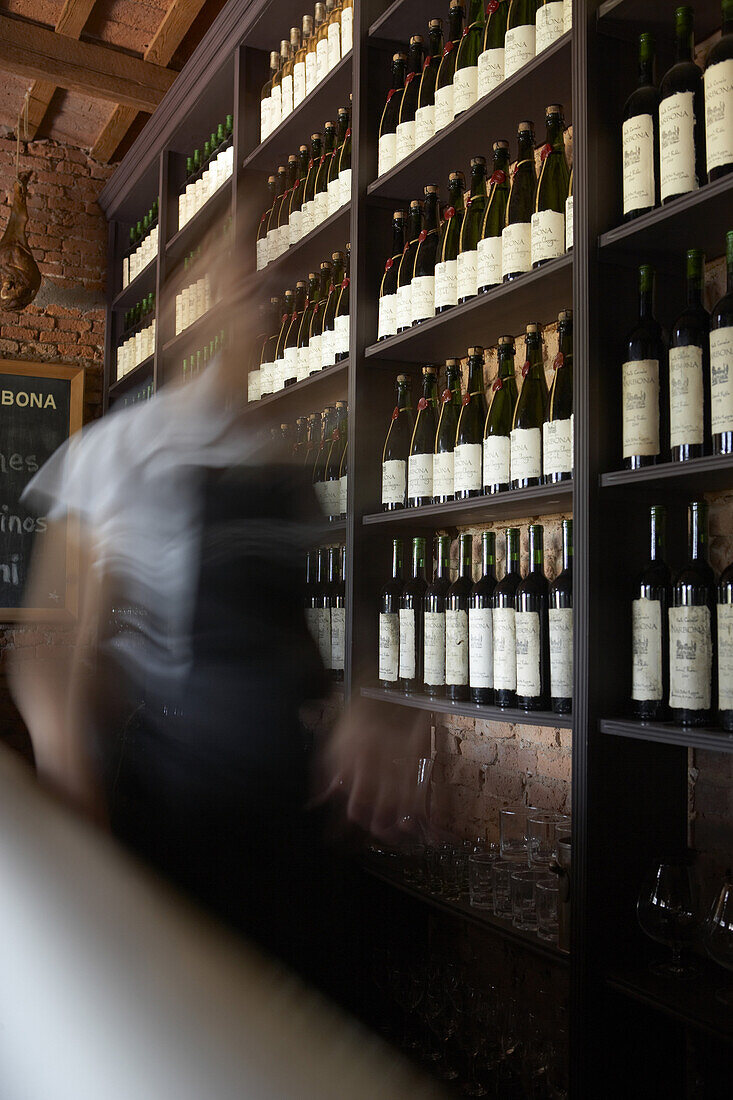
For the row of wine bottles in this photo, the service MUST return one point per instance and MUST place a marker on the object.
(430, 88)
(321, 444)
(501, 231)
(507, 643)
(461, 448)
(142, 247)
(199, 360)
(305, 61)
(305, 332)
(134, 398)
(682, 632)
(206, 171)
(137, 342)
(194, 300)
(315, 184)
(677, 393)
(325, 605)
(680, 134)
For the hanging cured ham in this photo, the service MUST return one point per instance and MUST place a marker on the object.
(20, 278)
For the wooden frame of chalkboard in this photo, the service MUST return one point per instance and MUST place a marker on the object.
(41, 406)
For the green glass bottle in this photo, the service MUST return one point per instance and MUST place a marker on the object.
(316, 328)
(681, 116)
(640, 138)
(456, 623)
(333, 186)
(465, 77)
(529, 416)
(560, 617)
(445, 435)
(488, 252)
(328, 333)
(387, 310)
(532, 628)
(303, 360)
(407, 266)
(504, 625)
(558, 429)
(345, 166)
(387, 140)
(307, 212)
(548, 218)
(467, 472)
(397, 448)
(520, 41)
(411, 621)
(289, 371)
(425, 113)
(405, 143)
(650, 626)
(717, 84)
(642, 377)
(434, 620)
(721, 363)
(480, 626)
(498, 428)
(341, 334)
(473, 220)
(516, 246)
(689, 374)
(422, 289)
(320, 192)
(491, 58)
(420, 461)
(446, 267)
(444, 80)
(389, 621)
(295, 209)
(692, 615)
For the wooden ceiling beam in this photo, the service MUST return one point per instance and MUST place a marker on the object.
(70, 22)
(168, 37)
(100, 72)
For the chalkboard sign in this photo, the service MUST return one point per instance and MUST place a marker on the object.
(41, 405)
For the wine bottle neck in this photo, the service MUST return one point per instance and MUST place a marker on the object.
(684, 39)
(403, 396)
(488, 553)
(646, 303)
(525, 145)
(418, 560)
(554, 132)
(465, 563)
(567, 545)
(657, 535)
(506, 360)
(442, 560)
(432, 212)
(478, 180)
(646, 70)
(476, 374)
(333, 564)
(397, 560)
(512, 550)
(698, 538)
(455, 23)
(536, 549)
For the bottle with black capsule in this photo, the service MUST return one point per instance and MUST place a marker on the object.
(692, 618)
(422, 290)
(650, 626)
(560, 618)
(480, 625)
(488, 250)
(640, 138)
(411, 621)
(434, 620)
(456, 623)
(332, 469)
(721, 363)
(516, 236)
(323, 601)
(387, 140)
(689, 372)
(548, 218)
(504, 625)
(407, 266)
(682, 116)
(532, 628)
(389, 621)
(341, 335)
(397, 448)
(643, 383)
(315, 336)
(405, 143)
(425, 113)
(473, 220)
(529, 415)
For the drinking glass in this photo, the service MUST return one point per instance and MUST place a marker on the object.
(412, 778)
(524, 908)
(502, 895)
(546, 897)
(718, 936)
(513, 835)
(666, 913)
(449, 867)
(541, 839)
(480, 879)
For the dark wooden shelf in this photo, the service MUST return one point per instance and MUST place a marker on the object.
(537, 296)
(544, 80)
(713, 739)
(188, 237)
(465, 911)
(330, 236)
(133, 376)
(307, 118)
(208, 321)
(140, 286)
(692, 1002)
(628, 18)
(286, 402)
(470, 710)
(544, 500)
(700, 474)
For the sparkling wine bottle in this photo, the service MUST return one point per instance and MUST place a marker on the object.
(341, 323)
(387, 143)
(405, 141)
(444, 81)
(407, 266)
(283, 217)
(681, 116)
(344, 482)
(273, 237)
(641, 378)
(560, 618)
(721, 363)
(295, 209)
(266, 126)
(320, 192)
(548, 219)
(446, 267)
(422, 289)
(557, 431)
(276, 376)
(520, 40)
(516, 240)
(322, 600)
(465, 78)
(718, 81)
(480, 626)
(691, 617)
(569, 215)
(333, 187)
(397, 449)
(387, 323)
(529, 416)
(328, 424)
(504, 625)
(689, 374)
(389, 621)
(286, 84)
(532, 628)
(303, 358)
(328, 332)
(445, 435)
(332, 469)
(288, 373)
(269, 348)
(261, 244)
(473, 219)
(498, 427)
(640, 138)
(411, 621)
(434, 620)
(315, 334)
(491, 59)
(650, 627)
(488, 253)
(344, 167)
(425, 113)
(299, 63)
(420, 461)
(307, 219)
(456, 623)
(467, 472)
(725, 649)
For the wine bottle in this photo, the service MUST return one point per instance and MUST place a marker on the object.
(420, 461)
(332, 585)
(255, 358)
(491, 59)
(641, 376)
(266, 127)
(307, 219)
(422, 288)
(465, 78)
(532, 628)
(721, 363)
(295, 209)
(320, 194)
(344, 482)
(520, 40)
(277, 114)
(407, 267)
(689, 375)
(387, 324)
(446, 267)
(329, 314)
(434, 620)
(328, 423)
(262, 246)
(277, 376)
(488, 252)
(310, 594)
(445, 435)
(332, 468)
(425, 113)
(347, 26)
(681, 116)
(301, 439)
(311, 57)
(548, 219)
(312, 440)
(283, 217)
(273, 236)
(322, 44)
(516, 240)
(338, 615)
(557, 431)
(690, 628)
(650, 627)
(569, 215)
(303, 357)
(333, 186)
(389, 621)
(560, 617)
(405, 139)
(640, 137)
(341, 321)
(444, 80)
(718, 81)
(299, 81)
(467, 479)
(316, 330)
(503, 621)
(387, 145)
(322, 609)
(411, 621)
(456, 623)
(549, 24)
(480, 626)
(344, 169)
(269, 348)
(529, 416)
(498, 427)
(286, 85)
(397, 448)
(289, 369)
(334, 37)
(473, 219)
(725, 649)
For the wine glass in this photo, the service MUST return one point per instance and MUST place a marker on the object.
(718, 936)
(666, 913)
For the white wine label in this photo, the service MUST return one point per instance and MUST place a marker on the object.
(443, 474)
(282, 241)
(387, 325)
(465, 88)
(405, 140)
(389, 646)
(519, 48)
(549, 24)
(331, 497)
(286, 92)
(637, 136)
(467, 274)
(347, 30)
(290, 369)
(404, 306)
(298, 83)
(253, 385)
(505, 648)
(721, 379)
(526, 453)
(443, 106)
(334, 44)
(343, 491)
(320, 204)
(271, 245)
(567, 15)
(480, 647)
(321, 60)
(646, 649)
(527, 626)
(718, 82)
(275, 108)
(467, 467)
(295, 222)
(685, 396)
(446, 284)
(568, 223)
(341, 335)
(516, 248)
(314, 354)
(434, 648)
(497, 449)
(488, 266)
(345, 184)
(327, 357)
(307, 223)
(323, 619)
(677, 145)
(334, 196)
(261, 253)
(319, 487)
(407, 645)
(456, 647)
(264, 118)
(557, 446)
(725, 656)
(561, 652)
(303, 363)
(338, 637)
(311, 621)
(547, 235)
(311, 71)
(387, 153)
(490, 70)
(422, 295)
(394, 481)
(640, 404)
(266, 378)
(424, 124)
(278, 375)
(690, 658)
(420, 476)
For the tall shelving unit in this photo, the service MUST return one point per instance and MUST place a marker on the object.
(629, 779)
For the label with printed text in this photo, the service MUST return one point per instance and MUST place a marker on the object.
(725, 656)
(685, 396)
(488, 265)
(434, 648)
(640, 407)
(467, 467)
(456, 647)
(394, 481)
(407, 644)
(505, 649)
(516, 248)
(637, 135)
(718, 83)
(526, 453)
(389, 646)
(646, 650)
(490, 70)
(527, 627)
(519, 48)
(497, 449)
(677, 145)
(480, 647)
(561, 652)
(690, 658)
(721, 380)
